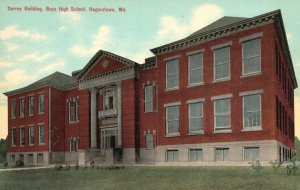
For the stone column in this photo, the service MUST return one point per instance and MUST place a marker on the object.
(119, 114)
(93, 92)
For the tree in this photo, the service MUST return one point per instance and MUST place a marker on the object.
(3, 150)
(297, 146)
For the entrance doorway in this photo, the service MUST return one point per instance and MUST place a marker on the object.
(109, 138)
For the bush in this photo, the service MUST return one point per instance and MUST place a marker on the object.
(256, 166)
(292, 168)
(5, 164)
(276, 165)
(19, 163)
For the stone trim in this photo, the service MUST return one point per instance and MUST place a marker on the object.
(172, 104)
(219, 46)
(221, 97)
(251, 92)
(251, 37)
(195, 52)
(195, 100)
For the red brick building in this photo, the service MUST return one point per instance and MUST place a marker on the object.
(223, 94)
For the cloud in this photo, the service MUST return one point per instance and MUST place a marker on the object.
(13, 31)
(35, 57)
(3, 121)
(62, 29)
(173, 29)
(297, 116)
(15, 77)
(12, 47)
(98, 41)
(4, 63)
(52, 67)
(70, 16)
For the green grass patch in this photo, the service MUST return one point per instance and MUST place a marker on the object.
(169, 178)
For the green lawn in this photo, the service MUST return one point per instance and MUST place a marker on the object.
(170, 178)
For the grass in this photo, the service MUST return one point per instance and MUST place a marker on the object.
(232, 178)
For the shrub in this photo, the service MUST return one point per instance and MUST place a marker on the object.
(19, 163)
(5, 164)
(292, 168)
(77, 166)
(276, 165)
(256, 166)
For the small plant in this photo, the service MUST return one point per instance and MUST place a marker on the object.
(256, 166)
(92, 164)
(58, 167)
(292, 168)
(77, 166)
(19, 163)
(275, 165)
(5, 164)
(67, 167)
(85, 167)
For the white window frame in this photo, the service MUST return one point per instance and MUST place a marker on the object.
(222, 149)
(73, 142)
(148, 100)
(30, 111)
(21, 107)
(13, 109)
(249, 93)
(228, 62)
(72, 110)
(151, 143)
(22, 136)
(29, 134)
(106, 94)
(167, 75)
(251, 147)
(167, 106)
(77, 114)
(197, 159)
(201, 116)
(13, 140)
(200, 68)
(39, 126)
(224, 128)
(173, 160)
(41, 104)
(244, 58)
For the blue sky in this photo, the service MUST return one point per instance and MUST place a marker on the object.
(35, 44)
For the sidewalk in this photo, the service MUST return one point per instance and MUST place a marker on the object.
(26, 168)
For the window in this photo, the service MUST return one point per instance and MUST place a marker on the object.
(31, 135)
(148, 98)
(12, 158)
(251, 153)
(30, 158)
(31, 105)
(195, 155)
(252, 110)
(109, 138)
(196, 117)
(13, 137)
(73, 145)
(221, 154)
(41, 134)
(77, 110)
(222, 63)
(13, 109)
(40, 158)
(222, 114)
(149, 141)
(72, 113)
(41, 103)
(251, 57)
(172, 77)
(195, 68)
(21, 157)
(21, 113)
(172, 155)
(22, 136)
(172, 119)
(109, 103)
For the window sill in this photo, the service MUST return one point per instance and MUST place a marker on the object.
(149, 111)
(13, 118)
(171, 89)
(31, 145)
(21, 116)
(196, 133)
(42, 144)
(30, 115)
(13, 145)
(222, 131)
(249, 129)
(195, 85)
(251, 74)
(41, 113)
(173, 135)
(221, 80)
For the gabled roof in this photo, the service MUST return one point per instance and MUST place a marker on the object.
(57, 80)
(224, 21)
(98, 55)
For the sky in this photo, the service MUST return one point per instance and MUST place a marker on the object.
(34, 44)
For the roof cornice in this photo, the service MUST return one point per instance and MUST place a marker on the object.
(217, 33)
